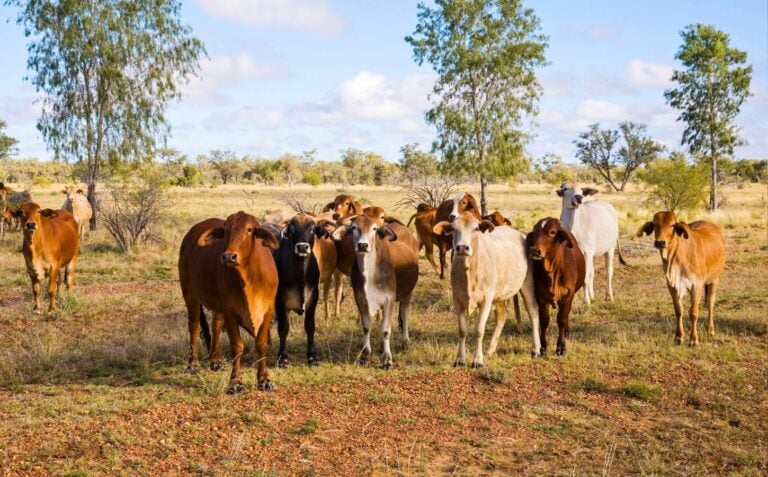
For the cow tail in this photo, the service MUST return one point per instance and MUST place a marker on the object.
(205, 332)
(621, 257)
(411, 219)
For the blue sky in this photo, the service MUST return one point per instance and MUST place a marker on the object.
(291, 75)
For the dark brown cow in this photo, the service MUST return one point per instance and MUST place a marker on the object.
(497, 219)
(385, 271)
(425, 220)
(693, 257)
(558, 272)
(50, 243)
(342, 206)
(448, 211)
(226, 266)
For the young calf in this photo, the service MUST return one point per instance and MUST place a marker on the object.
(385, 271)
(299, 276)
(693, 257)
(559, 271)
(489, 267)
(50, 244)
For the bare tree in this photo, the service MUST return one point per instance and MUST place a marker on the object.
(432, 192)
(132, 212)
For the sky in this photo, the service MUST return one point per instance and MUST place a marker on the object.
(286, 76)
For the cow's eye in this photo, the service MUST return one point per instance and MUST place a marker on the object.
(250, 229)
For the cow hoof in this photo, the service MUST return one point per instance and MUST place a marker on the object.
(387, 366)
(477, 365)
(216, 366)
(458, 364)
(282, 362)
(561, 351)
(362, 361)
(265, 385)
(678, 341)
(235, 388)
(191, 369)
(693, 344)
(313, 362)
(405, 345)
(535, 354)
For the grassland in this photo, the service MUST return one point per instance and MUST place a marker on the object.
(100, 389)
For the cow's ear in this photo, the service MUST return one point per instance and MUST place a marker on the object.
(442, 228)
(64, 191)
(386, 232)
(211, 235)
(321, 232)
(563, 237)
(80, 191)
(356, 207)
(681, 229)
(341, 232)
(50, 213)
(529, 239)
(559, 192)
(267, 239)
(486, 226)
(646, 229)
(329, 206)
(388, 219)
(285, 232)
(587, 191)
(507, 222)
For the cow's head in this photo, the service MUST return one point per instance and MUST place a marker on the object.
(71, 192)
(300, 233)
(365, 232)
(31, 216)
(666, 229)
(545, 236)
(241, 231)
(463, 202)
(497, 219)
(342, 206)
(574, 194)
(463, 230)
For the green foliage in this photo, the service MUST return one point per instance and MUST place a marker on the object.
(675, 185)
(312, 177)
(416, 165)
(709, 95)
(227, 165)
(7, 143)
(595, 148)
(485, 53)
(41, 180)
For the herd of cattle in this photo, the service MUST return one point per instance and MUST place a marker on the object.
(246, 272)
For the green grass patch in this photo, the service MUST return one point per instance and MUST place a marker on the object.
(308, 428)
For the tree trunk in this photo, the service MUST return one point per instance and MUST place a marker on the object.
(713, 188)
(483, 196)
(93, 176)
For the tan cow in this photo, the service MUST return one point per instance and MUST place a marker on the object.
(77, 204)
(693, 257)
(50, 244)
(342, 206)
(385, 272)
(490, 265)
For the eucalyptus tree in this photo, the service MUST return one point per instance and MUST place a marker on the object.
(7, 143)
(485, 54)
(107, 70)
(709, 94)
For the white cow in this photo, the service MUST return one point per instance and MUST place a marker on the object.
(77, 203)
(490, 265)
(595, 225)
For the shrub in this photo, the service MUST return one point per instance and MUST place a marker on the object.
(132, 212)
(41, 180)
(312, 177)
(675, 185)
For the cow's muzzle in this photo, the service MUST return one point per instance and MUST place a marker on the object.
(463, 250)
(659, 244)
(451, 218)
(336, 216)
(577, 200)
(30, 226)
(363, 247)
(301, 249)
(534, 253)
(229, 258)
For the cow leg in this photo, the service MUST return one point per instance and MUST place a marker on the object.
(429, 253)
(36, 289)
(609, 274)
(478, 362)
(69, 275)
(461, 314)
(337, 286)
(501, 318)
(309, 326)
(518, 316)
(563, 312)
(326, 303)
(442, 250)
(402, 318)
(194, 311)
(53, 288)
(283, 326)
(532, 308)
(236, 346)
(543, 325)
(214, 351)
(680, 333)
(589, 277)
(696, 292)
(711, 291)
(261, 338)
(365, 321)
(385, 329)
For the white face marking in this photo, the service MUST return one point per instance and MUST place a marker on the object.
(543, 224)
(456, 200)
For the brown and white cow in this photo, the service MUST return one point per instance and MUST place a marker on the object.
(50, 244)
(559, 270)
(424, 221)
(489, 266)
(385, 272)
(342, 206)
(448, 211)
(497, 219)
(77, 204)
(692, 257)
(226, 266)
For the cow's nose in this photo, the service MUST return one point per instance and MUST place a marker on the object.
(31, 226)
(336, 216)
(229, 257)
(451, 218)
(302, 248)
(363, 247)
(659, 243)
(535, 252)
(578, 198)
(462, 249)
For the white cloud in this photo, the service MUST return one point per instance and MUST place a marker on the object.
(643, 74)
(225, 72)
(595, 110)
(312, 15)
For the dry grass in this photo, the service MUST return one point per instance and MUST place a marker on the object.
(99, 388)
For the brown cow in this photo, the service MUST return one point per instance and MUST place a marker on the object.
(385, 271)
(10, 201)
(693, 257)
(425, 219)
(558, 272)
(227, 267)
(50, 244)
(448, 211)
(77, 203)
(342, 206)
(497, 219)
